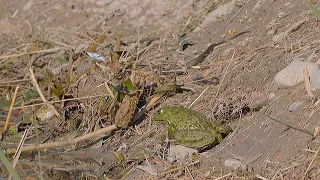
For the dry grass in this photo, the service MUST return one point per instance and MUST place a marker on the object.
(83, 139)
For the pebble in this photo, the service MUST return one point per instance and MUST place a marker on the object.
(44, 114)
(180, 153)
(236, 164)
(103, 2)
(315, 80)
(271, 96)
(293, 73)
(294, 106)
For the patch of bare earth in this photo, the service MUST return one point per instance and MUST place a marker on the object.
(40, 33)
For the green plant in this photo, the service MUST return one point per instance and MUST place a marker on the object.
(8, 165)
(313, 8)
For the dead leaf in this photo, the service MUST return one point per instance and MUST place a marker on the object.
(295, 26)
(114, 65)
(126, 111)
(168, 86)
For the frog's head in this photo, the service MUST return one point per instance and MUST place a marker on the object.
(164, 114)
(224, 130)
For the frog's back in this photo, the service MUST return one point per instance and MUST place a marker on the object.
(185, 118)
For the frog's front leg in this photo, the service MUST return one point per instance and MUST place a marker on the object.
(171, 131)
(198, 139)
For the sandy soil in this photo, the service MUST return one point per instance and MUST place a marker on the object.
(244, 66)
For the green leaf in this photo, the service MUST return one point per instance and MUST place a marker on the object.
(5, 104)
(30, 94)
(169, 86)
(13, 130)
(313, 8)
(57, 89)
(62, 60)
(117, 91)
(8, 165)
(129, 87)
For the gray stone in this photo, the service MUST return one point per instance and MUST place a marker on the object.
(180, 153)
(293, 73)
(103, 2)
(315, 80)
(294, 106)
(236, 164)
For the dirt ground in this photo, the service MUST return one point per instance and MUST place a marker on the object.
(280, 31)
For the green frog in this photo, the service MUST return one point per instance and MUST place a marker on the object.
(192, 128)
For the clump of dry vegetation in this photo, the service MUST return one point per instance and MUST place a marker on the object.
(80, 105)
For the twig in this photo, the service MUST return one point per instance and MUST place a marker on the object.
(64, 143)
(109, 91)
(35, 83)
(32, 52)
(172, 170)
(315, 155)
(289, 126)
(224, 176)
(220, 83)
(199, 96)
(10, 111)
(18, 152)
(6, 83)
(237, 13)
(8, 165)
(58, 101)
(224, 75)
(307, 82)
(154, 100)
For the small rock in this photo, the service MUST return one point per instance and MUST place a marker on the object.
(286, 4)
(271, 32)
(103, 2)
(44, 114)
(179, 152)
(294, 106)
(293, 73)
(240, 3)
(81, 47)
(258, 101)
(281, 15)
(236, 164)
(271, 95)
(148, 168)
(315, 80)
(226, 52)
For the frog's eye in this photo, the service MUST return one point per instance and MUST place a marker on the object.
(160, 111)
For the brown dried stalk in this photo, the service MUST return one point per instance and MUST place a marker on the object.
(36, 85)
(10, 111)
(64, 143)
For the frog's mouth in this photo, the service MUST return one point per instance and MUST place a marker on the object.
(225, 130)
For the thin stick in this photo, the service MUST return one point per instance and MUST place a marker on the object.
(224, 176)
(220, 83)
(199, 96)
(14, 81)
(109, 91)
(64, 143)
(32, 52)
(35, 83)
(172, 170)
(315, 155)
(10, 111)
(289, 126)
(154, 100)
(18, 152)
(307, 82)
(237, 13)
(224, 75)
(58, 101)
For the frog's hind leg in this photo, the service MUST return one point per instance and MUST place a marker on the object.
(198, 139)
